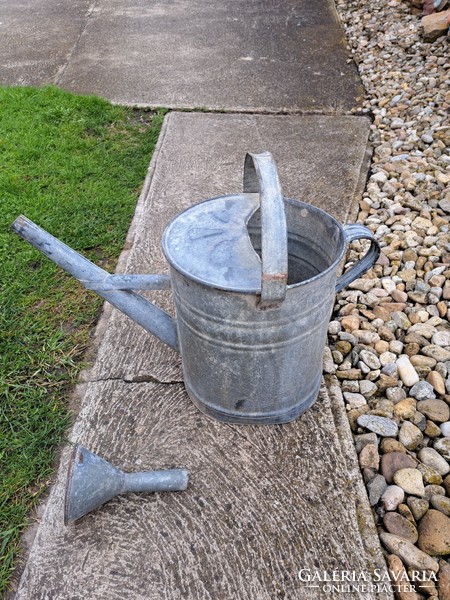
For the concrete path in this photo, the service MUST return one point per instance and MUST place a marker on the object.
(263, 502)
(283, 56)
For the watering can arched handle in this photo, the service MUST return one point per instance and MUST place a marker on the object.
(357, 232)
(260, 176)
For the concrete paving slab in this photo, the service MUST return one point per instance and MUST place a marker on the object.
(321, 160)
(263, 503)
(36, 38)
(241, 56)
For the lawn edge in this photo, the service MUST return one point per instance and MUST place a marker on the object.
(77, 392)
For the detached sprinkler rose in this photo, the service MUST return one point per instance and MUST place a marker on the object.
(92, 481)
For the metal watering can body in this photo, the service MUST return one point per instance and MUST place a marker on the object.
(254, 280)
(245, 365)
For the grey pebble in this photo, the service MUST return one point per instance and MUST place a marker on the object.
(433, 490)
(422, 391)
(441, 338)
(443, 447)
(364, 439)
(395, 394)
(367, 388)
(348, 337)
(376, 488)
(445, 205)
(380, 425)
(441, 503)
(432, 458)
(334, 327)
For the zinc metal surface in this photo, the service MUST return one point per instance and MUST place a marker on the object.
(209, 243)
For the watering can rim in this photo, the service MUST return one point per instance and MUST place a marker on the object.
(221, 253)
(256, 289)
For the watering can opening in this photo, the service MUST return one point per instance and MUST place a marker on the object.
(315, 240)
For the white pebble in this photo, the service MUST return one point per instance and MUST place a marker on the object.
(354, 400)
(379, 177)
(410, 480)
(431, 458)
(441, 338)
(406, 371)
(367, 388)
(387, 357)
(334, 327)
(392, 497)
(370, 359)
(445, 428)
(396, 346)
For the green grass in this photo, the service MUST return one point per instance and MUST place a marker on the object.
(75, 166)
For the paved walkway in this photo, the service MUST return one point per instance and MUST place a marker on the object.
(239, 55)
(263, 502)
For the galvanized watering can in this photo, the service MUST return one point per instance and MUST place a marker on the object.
(254, 280)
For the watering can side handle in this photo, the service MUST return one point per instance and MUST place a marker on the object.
(260, 176)
(356, 232)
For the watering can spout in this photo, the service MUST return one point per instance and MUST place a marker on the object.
(116, 289)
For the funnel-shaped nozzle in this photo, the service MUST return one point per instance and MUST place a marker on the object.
(92, 481)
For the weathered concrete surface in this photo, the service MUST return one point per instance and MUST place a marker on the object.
(37, 38)
(320, 160)
(263, 502)
(239, 55)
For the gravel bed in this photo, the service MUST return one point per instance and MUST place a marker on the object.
(389, 340)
